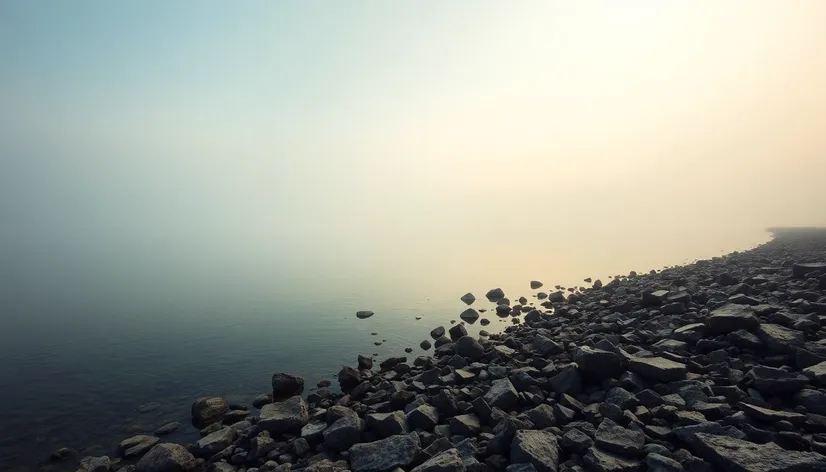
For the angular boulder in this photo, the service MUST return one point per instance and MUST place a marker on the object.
(502, 395)
(208, 410)
(727, 453)
(731, 317)
(597, 364)
(386, 454)
(539, 448)
(283, 417)
(286, 385)
(657, 368)
(167, 457)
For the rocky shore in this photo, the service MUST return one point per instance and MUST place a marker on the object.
(715, 366)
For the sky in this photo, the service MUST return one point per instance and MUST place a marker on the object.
(429, 136)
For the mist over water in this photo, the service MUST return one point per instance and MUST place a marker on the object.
(195, 196)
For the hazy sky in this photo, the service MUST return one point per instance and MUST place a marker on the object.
(230, 134)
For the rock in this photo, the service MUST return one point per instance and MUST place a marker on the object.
(208, 410)
(262, 400)
(214, 443)
(313, 430)
(813, 400)
(689, 333)
(425, 345)
(614, 438)
(542, 416)
(386, 454)
(62, 454)
(365, 362)
(364, 314)
(598, 364)
(283, 417)
(660, 463)
(137, 445)
(387, 424)
(99, 464)
(771, 416)
(261, 445)
(495, 294)
(424, 417)
(539, 448)
(167, 457)
(221, 467)
(557, 297)
(799, 270)
(445, 461)
(576, 442)
(470, 315)
(546, 346)
(502, 395)
(657, 368)
(654, 298)
(731, 317)
(468, 347)
(437, 333)
(599, 460)
(348, 379)
(465, 425)
(568, 380)
(771, 381)
(167, 428)
(535, 284)
(147, 408)
(816, 373)
(344, 432)
(457, 332)
(779, 338)
(737, 455)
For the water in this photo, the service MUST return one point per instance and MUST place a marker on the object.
(79, 352)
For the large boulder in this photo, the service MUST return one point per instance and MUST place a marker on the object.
(731, 317)
(286, 385)
(167, 457)
(344, 432)
(457, 332)
(502, 395)
(469, 347)
(386, 454)
(597, 364)
(614, 438)
(657, 368)
(348, 378)
(539, 448)
(214, 442)
(727, 453)
(208, 410)
(283, 417)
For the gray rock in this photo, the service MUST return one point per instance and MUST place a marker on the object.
(535, 284)
(425, 345)
(283, 417)
(387, 424)
(470, 315)
(546, 346)
(660, 463)
(465, 425)
(599, 460)
(261, 445)
(733, 454)
(576, 442)
(779, 338)
(568, 380)
(286, 385)
(457, 332)
(771, 416)
(468, 347)
(313, 430)
(167, 428)
(524, 467)
(167, 457)
(137, 445)
(99, 464)
(495, 294)
(800, 269)
(542, 416)
(147, 408)
(502, 395)
(424, 417)
(614, 438)
(817, 374)
(214, 443)
(731, 317)
(344, 432)
(437, 333)
(690, 332)
(221, 467)
(599, 364)
(446, 461)
(362, 314)
(386, 454)
(745, 340)
(813, 400)
(539, 448)
(657, 368)
(262, 400)
(348, 379)
(771, 381)
(468, 298)
(208, 410)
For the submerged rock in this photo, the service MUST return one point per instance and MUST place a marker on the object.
(286, 385)
(363, 314)
(208, 410)
(468, 298)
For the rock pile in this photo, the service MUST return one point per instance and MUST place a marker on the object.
(719, 365)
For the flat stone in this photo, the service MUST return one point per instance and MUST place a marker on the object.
(813, 400)
(690, 332)
(502, 395)
(99, 464)
(745, 340)
(731, 317)
(737, 455)
(214, 443)
(539, 448)
(599, 364)
(771, 416)
(137, 445)
(623, 441)
(771, 381)
(387, 424)
(283, 417)
(363, 314)
(208, 410)
(445, 461)
(600, 460)
(779, 338)
(386, 454)
(313, 430)
(167, 457)
(657, 368)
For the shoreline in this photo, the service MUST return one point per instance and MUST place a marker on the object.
(584, 359)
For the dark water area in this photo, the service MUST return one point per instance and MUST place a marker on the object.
(79, 355)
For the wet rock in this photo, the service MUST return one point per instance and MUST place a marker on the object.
(468, 298)
(208, 410)
(425, 345)
(363, 314)
(283, 417)
(148, 407)
(535, 284)
(495, 294)
(137, 445)
(167, 428)
(214, 443)
(657, 368)
(457, 332)
(737, 455)
(62, 454)
(539, 448)
(365, 362)
(470, 315)
(167, 457)
(262, 400)
(386, 454)
(438, 332)
(348, 378)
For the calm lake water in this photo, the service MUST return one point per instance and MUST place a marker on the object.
(80, 352)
